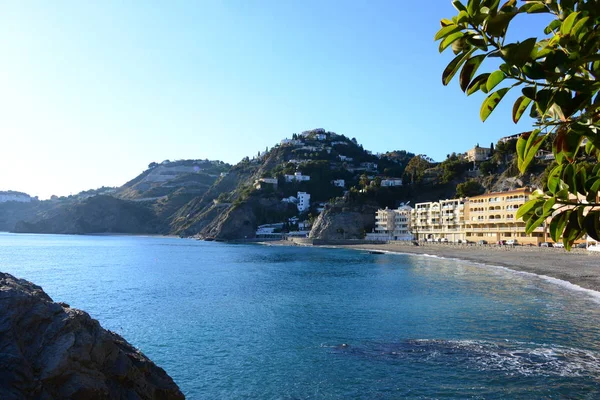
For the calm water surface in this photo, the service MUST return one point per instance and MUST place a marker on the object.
(243, 321)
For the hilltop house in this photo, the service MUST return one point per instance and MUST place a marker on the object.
(478, 154)
(338, 182)
(291, 142)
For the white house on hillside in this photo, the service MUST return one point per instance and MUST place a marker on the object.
(339, 183)
(298, 177)
(391, 182)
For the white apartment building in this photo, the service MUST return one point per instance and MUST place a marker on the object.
(393, 224)
(444, 219)
(297, 177)
(303, 201)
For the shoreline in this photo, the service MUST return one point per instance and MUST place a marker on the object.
(581, 269)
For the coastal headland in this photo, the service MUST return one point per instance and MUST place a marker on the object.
(578, 267)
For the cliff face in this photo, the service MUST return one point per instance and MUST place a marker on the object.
(344, 221)
(52, 351)
(241, 221)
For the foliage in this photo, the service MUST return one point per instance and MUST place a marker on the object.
(488, 167)
(558, 78)
(453, 167)
(415, 170)
(469, 188)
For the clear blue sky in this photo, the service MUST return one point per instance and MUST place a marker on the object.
(91, 92)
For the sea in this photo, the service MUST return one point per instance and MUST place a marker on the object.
(267, 322)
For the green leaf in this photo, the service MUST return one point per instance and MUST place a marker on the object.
(552, 26)
(449, 40)
(554, 181)
(445, 31)
(494, 79)
(528, 207)
(518, 54)
(594, 185)
(453, 67)
(473, 7)
(491, 102)
(532, 144)
(533, 8)
(462, 16)
(572, 231)
(542, 100)
(520, 107)
(568, 177)
(469, 70)
(581, 177)
(459, 6)
(568, 23)
(529, 92)
(496, 25)
(578, 26)
(566, 145)
(592, 225)
(533, 223)
(557, 225)
(549, 205)
(477, 83)
(520, 147)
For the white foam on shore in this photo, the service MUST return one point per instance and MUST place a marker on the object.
(595, 295)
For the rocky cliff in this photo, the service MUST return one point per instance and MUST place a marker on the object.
(52, 351)
(344, 221)
(239, 221)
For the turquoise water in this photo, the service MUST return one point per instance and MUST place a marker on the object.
(243, 321)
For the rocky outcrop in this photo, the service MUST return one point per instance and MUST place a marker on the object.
(344, 221)
(240, 221)
(51, 351)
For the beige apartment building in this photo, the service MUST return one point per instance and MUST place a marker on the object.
(492, 217)
(443, 220)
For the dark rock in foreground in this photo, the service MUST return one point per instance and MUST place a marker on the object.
(51, 351)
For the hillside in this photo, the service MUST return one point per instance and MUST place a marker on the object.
(145, 204)
(322, 178)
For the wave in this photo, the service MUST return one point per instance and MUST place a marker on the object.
(507, 357)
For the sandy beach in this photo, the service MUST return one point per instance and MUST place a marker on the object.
(579, 267)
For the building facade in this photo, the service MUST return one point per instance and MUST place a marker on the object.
(298, 177)
(492, 217)
(303, 201)
(391, 182)
(478, 154)
(439, 220)
(393, 224)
